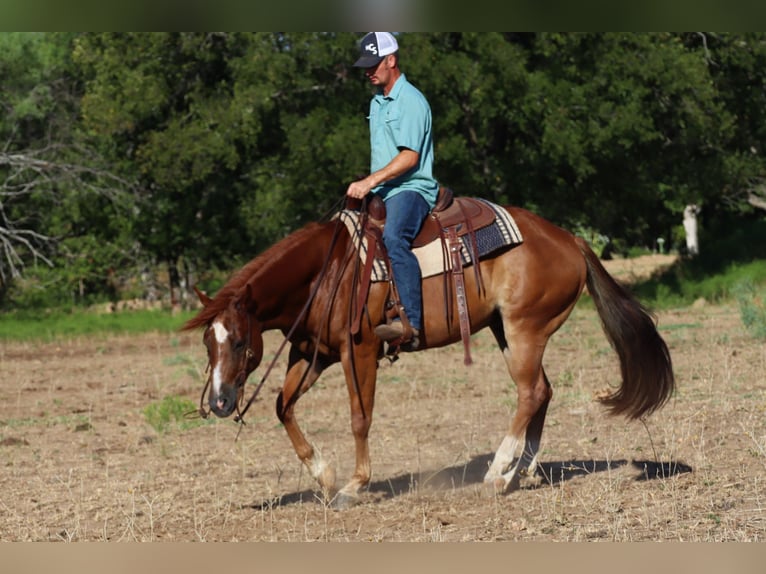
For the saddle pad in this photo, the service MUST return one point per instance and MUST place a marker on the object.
(432, 258)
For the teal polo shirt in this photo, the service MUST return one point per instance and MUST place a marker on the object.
(402, 119)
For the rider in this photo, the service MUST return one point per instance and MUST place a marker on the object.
(401, 171)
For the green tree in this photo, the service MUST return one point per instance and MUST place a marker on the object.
(51, 184)
(628, 130)
(235, 138)
(737, 64)
(195, 151)
(615, 132)
(162, 107)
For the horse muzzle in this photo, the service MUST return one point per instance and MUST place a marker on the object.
(225, 402)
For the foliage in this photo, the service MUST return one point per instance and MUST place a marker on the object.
(752, 307)
(597, 241)
(730, 255)
(195, 151)
(733, 249)
(59, 202)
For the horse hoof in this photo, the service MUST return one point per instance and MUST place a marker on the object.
(500, 485)
(530, 481)
(494, 487)
(343, 501)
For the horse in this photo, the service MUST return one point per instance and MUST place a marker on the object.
(304, 285)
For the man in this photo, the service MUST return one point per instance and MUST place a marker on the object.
(401, 167)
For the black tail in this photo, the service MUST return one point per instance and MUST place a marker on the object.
(647, 370)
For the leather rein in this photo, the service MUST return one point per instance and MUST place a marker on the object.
(249, 353)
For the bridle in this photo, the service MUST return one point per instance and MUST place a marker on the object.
(239, 379)
(249, 353)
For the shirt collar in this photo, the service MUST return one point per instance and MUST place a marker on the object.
(392, 95)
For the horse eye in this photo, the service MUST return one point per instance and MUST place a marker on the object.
(239, 345)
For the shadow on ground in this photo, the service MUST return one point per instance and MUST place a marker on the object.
(472, 473)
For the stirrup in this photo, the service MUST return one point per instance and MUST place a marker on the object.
(397, 332)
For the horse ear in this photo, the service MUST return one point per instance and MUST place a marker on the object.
(204, 299)
(245, 300)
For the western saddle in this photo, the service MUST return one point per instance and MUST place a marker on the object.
(451, 219)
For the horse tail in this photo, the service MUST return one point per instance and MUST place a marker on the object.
(647, 371)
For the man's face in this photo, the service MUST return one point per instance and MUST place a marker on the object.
(381, 74)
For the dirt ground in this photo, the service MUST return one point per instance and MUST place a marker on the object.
(81, 462)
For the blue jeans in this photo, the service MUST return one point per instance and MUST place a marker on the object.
(405, 213)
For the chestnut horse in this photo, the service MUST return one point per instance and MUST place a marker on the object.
(304, 286)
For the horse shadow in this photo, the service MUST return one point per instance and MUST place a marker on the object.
(471, 473)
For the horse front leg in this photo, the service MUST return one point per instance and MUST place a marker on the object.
(302, 373)
(360, 366)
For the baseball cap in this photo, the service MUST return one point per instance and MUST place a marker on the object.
(373, 47)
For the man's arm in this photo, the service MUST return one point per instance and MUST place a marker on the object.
(404, 161)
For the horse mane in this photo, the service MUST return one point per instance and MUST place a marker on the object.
(242, 277)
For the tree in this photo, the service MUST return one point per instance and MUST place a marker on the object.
(194, 151)
(44, 170)
(737, 64)
(160, 106)
(229, 134)
(629, 130)
(613, 132)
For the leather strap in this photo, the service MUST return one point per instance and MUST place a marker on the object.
(458, 279)
(373, 236)
(473, 246)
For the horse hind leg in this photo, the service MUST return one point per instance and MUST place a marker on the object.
(527, 465)
(524, 362)
(507, 470)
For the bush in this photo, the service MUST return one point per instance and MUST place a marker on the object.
(752, 309)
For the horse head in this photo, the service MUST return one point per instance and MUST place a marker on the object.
(234, 344)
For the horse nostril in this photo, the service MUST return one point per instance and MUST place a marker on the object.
(218, 404)
(223, 403)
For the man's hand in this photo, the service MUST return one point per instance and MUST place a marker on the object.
(359, 189)
(404, 161)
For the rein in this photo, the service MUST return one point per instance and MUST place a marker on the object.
(239, 417)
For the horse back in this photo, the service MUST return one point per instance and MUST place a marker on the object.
(547, 266)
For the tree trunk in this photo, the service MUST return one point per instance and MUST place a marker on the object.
(174, 279)
(690, 227)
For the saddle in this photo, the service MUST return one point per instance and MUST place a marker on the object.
(450, 220)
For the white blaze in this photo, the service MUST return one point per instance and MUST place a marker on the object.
(221, 335)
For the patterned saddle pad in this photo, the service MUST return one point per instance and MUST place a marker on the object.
(432, 258)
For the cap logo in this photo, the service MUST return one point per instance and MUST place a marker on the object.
(371, 48)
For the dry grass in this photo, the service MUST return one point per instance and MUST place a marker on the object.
(81, 463)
